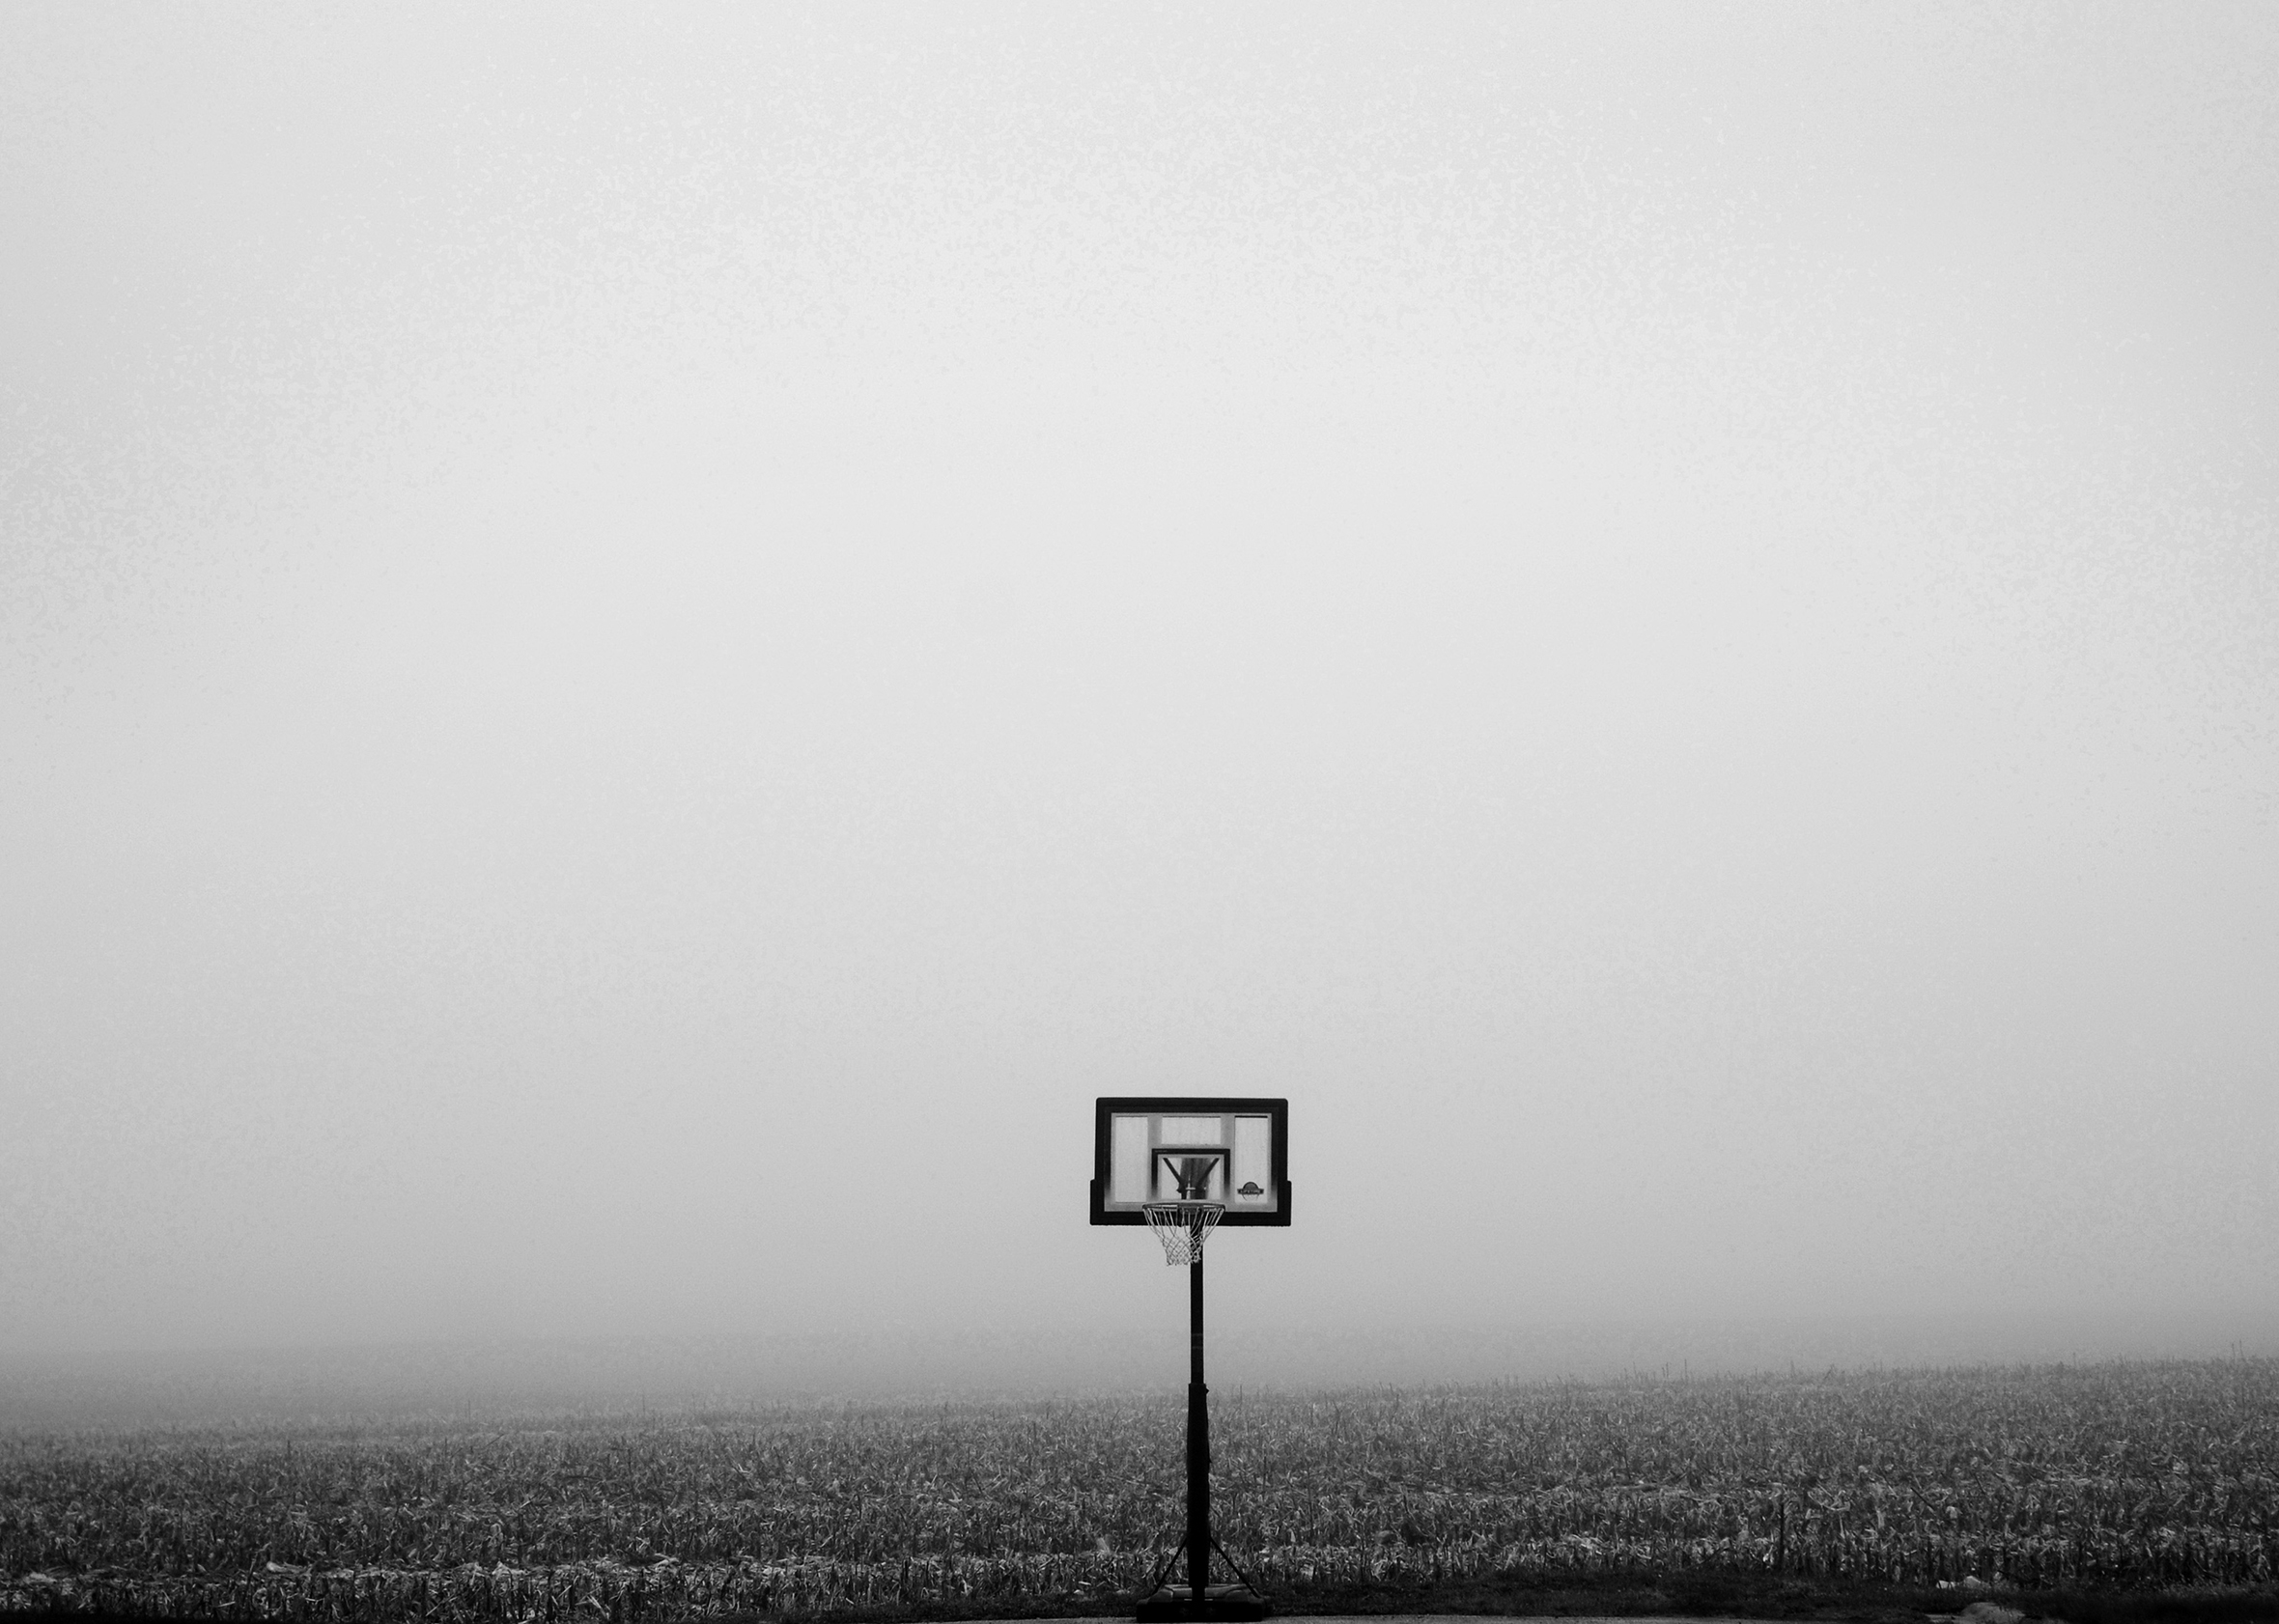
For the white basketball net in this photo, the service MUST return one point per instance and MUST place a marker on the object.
(1182, 1226)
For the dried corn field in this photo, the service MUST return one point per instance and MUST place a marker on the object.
(2091, 1475)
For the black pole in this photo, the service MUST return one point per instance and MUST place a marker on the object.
(1198, 1440)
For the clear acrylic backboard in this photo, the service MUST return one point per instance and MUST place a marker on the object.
(1149, 1150)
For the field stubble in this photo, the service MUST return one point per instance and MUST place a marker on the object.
(2081, 1477)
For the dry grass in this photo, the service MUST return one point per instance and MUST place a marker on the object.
(2097, 1477)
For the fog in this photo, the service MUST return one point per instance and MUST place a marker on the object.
(638, 652)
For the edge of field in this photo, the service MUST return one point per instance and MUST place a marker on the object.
(1722, 1598)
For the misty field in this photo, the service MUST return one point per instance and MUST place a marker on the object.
(2095, 1476)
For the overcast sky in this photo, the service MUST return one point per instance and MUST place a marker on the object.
(639, 650)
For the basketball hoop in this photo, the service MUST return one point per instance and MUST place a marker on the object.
(1183, 1167)
(1182, 1226)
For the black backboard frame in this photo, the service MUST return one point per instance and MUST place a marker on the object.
(1109, 1106)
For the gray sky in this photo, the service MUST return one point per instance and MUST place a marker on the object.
(638, 651)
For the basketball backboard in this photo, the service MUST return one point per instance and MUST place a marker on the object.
(1151, 1150)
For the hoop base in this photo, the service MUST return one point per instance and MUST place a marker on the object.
(1182, 1226)
(1174, 1605)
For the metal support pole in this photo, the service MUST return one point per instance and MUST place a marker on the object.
(1198, 1440)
